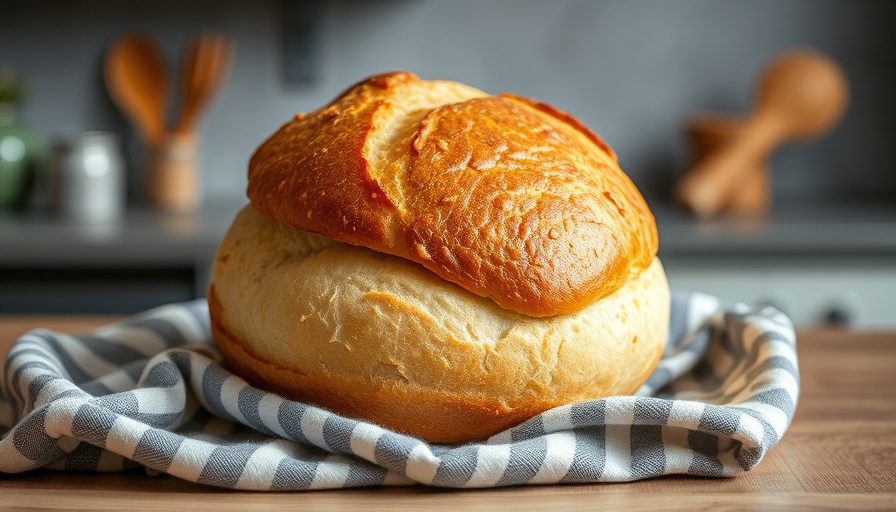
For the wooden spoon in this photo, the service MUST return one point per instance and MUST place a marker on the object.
(135, 76)
(800, 94)
(204, 65)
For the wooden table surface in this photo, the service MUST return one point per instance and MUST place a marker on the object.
(840, 453)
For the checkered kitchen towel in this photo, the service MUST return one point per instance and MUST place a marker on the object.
(150, 392)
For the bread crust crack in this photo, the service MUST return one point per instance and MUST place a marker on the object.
(507, 197)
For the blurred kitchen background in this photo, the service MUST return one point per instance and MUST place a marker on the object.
(635, 71)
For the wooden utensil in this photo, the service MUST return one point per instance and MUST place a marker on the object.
(708, 133)
(801, 94)
(174, 174)
(205, 63)
(135, 75)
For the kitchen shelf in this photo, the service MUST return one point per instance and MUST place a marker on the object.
(820, 264)
(147, 258)
(814, 262)
(817, 230)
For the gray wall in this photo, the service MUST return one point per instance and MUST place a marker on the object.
(633, 70)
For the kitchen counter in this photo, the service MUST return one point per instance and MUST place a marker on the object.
(820, 264)
(146, 259)
(146, 236)
(840, 452)
(816, 263)
(817, 230)
(143, 236)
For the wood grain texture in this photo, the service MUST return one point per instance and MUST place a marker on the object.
(840, 453)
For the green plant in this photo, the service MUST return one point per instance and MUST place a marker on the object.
(12, 88)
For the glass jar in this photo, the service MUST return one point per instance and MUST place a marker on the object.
(88, 178)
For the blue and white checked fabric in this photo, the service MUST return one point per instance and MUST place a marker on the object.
(150, 392)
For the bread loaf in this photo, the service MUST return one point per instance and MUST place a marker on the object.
(439, 261)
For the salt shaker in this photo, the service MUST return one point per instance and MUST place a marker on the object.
(88, 182)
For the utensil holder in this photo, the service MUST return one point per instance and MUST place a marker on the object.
(174, 174)
(707, 133)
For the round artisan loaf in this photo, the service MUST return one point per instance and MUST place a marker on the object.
(378, 337)
(509, 198)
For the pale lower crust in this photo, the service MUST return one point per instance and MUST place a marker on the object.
(380, 338)
(429, 414)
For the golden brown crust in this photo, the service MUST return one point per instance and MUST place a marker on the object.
(506, 197)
